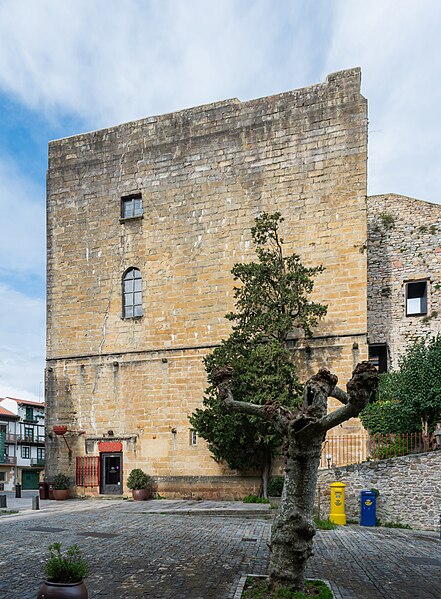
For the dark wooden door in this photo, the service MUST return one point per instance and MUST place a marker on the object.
(111, 474)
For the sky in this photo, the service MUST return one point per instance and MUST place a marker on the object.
(80, 65)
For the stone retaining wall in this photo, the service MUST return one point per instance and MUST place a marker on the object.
(409, 486)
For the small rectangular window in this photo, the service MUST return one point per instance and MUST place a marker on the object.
(2, 476)
(131, 206)
(25, 452)
(193, 437)
(416, 298)
(29, 414)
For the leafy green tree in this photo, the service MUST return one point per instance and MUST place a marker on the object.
(271, 301)
(409, 399)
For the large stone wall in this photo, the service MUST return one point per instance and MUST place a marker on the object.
(409, 486)
(404, 245)
(204, 174)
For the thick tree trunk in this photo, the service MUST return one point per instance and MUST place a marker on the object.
(293, 529)
(266, 472)
(304, 431)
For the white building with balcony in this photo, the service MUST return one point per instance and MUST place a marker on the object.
(21, 443)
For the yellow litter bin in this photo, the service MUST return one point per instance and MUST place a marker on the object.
(337, 514)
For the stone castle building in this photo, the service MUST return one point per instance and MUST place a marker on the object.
(145, 221)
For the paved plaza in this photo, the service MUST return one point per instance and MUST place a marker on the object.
(201, 550)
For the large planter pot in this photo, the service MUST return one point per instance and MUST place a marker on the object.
(140, 494)
(275, 502)
(61, 494)
(60, 590)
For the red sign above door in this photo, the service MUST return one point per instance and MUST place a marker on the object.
(109, 446)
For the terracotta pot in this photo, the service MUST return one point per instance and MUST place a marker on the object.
(61, 494)
(140, 494)
(60, 590)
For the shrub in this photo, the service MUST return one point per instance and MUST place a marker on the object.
(259, 589)
(67, 567)
(61, 481)
(324, 524)
(138, 479)
(397, 524)
(254, 499)
(275, 486)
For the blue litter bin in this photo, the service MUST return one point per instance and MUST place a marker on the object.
(368, 501)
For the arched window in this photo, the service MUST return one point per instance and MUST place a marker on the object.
(132, 294)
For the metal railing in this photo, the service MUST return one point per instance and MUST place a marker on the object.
(30, 439)
(8, 459)
(37, 461)
(342, 450)
(10, 437)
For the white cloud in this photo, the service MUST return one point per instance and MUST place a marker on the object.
(22, 239)
(398, 46)
(110, 61)
(21, 345)
(22, 259)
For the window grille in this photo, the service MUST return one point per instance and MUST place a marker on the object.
(88, 471)
(131, 206)
(132, 294)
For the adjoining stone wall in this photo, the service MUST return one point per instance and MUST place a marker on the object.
(404, 244)
(204, 174)
(409, 486)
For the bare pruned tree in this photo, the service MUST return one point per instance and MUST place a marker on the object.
(304, 431)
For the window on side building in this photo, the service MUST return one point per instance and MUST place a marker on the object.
(131, 206)
(132, 294)
(416, 298)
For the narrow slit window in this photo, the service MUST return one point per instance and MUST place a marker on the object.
(132, 294)
(131, 206)
(193, 437)
(416, 298)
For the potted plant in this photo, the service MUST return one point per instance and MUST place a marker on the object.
(275, 488)
(64, 574)
(140, 483)
(61, 484)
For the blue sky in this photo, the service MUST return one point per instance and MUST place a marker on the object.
(70, 67)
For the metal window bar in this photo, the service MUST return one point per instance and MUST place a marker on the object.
(87, 471)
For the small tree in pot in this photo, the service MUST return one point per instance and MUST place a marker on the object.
(64, 574)
(61, 484)
(140, 484)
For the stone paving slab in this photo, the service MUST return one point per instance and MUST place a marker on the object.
(170, 555)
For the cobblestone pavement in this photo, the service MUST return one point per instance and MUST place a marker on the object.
(200, 550)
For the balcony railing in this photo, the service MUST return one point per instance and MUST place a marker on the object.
(8, 459)
(11, 438)
(37, 461)
(31, 439)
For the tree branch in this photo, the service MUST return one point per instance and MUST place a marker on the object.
(273, 412)
(339, 394)
(363, 382)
